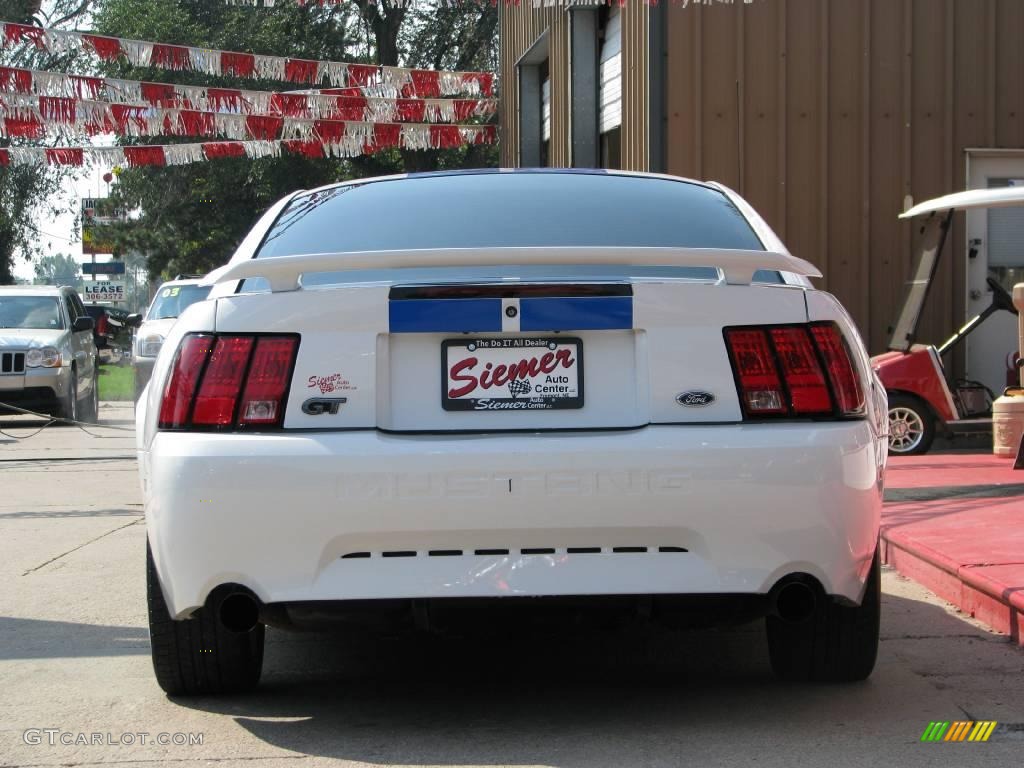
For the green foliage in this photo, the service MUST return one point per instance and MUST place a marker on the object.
(58, 269)
(25, 190)
(192, 217)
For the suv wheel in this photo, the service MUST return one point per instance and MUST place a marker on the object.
(91, 412)
(200, 655)
(836, 643)
(68, 407)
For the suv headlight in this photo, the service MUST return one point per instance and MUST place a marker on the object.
(149, 346)
(43, 357)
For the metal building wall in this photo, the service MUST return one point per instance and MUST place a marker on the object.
(521, 26)
(826, 114)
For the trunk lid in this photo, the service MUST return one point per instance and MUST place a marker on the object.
(602, 350)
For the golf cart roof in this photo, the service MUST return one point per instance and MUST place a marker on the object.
(1000, 197)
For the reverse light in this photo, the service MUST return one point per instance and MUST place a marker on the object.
(43, 357)
(794, 371)
(228, 381)
(149, 346)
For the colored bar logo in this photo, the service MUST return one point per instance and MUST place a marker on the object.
(959, 730)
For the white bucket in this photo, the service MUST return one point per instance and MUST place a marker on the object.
(1007, 425)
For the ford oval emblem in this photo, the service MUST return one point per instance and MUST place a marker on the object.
(695, 399)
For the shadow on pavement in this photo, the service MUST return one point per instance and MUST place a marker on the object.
(624, 696)
(40, 639)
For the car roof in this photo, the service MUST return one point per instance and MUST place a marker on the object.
(37, 290)
(510, 171)
(184, 281)
(999, 197)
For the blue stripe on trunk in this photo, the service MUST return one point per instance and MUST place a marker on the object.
(445, 315)
(584, 313)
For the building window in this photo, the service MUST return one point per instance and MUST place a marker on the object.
(545, 116)
(610, 91)
(534, 106)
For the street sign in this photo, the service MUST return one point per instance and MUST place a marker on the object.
(105, 290)
(106, 268)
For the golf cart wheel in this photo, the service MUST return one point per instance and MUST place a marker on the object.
(911, 426)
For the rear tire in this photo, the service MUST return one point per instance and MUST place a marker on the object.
(911, 426)
(836, 644)
(199, 655)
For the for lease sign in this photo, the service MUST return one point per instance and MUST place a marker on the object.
(104, 290)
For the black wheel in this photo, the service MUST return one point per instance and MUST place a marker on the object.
(68, 406)
(911, 426)
(836, 643)
(199, 655)
(90, 412)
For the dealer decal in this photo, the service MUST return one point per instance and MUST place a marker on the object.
(333, 382)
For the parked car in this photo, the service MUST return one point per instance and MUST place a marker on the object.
(170, 300)
(592, 386)
(922, 402)
(47, 352)
(111, 332)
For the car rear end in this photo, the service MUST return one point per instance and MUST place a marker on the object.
(480, 422)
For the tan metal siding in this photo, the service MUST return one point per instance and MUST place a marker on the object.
(636, 107)
(521, 27)
(826, 114)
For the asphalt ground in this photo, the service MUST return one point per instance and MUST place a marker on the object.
(74, 666)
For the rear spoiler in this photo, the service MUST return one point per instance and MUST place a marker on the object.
(739, 267)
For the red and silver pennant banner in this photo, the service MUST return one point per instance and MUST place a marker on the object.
(371, 139)
(471, 3)
(337, 104)
(393, 81)
(33, 117)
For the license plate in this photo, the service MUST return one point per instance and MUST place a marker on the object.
(518, 374)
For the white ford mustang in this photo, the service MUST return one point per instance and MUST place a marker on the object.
(519, 385)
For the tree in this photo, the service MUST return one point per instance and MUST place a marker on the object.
(58, 269)
(25, 190)
(192, 217)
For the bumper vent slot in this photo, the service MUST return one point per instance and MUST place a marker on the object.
(524, 551)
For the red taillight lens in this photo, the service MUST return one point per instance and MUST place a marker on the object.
(263, 400)
(841, 372)
(794, 370)
(228, 381)
(181, 385)
(808, 391)
(222, 382)
(756, 372)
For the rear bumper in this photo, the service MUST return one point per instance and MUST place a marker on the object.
(749, 504)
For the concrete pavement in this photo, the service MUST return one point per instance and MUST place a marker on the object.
(74, 657)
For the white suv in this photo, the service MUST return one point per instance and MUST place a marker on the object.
(511, 385)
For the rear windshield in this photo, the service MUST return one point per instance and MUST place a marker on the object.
(500, 210)
(172, 300)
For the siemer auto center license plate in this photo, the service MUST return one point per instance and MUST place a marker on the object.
(519, 374)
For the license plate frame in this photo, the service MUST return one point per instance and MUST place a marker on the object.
(514, 350)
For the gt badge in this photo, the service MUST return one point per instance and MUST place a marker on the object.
(695, 399)
(317, 406)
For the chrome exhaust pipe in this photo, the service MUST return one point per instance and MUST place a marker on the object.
(795, 601)
(239, 612)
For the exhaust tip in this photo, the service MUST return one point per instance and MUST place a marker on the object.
(239, 612)
(795, 601)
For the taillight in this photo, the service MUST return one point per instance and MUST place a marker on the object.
(228, 381)
(845, 382)
(756, 373)
(794, 371)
